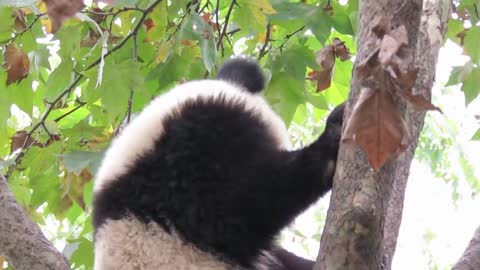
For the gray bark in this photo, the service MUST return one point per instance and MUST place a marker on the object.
(432, 30)
(470, 259)
(22, 242)
(353, 237)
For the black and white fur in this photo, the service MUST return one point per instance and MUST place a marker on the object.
(203, 179)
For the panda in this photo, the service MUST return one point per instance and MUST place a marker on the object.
(203, 179)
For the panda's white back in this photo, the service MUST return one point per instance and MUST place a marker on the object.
(130, 244)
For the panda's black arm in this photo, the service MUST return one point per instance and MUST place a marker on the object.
(277, 187)
(291, 261)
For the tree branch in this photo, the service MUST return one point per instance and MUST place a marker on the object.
(354, 229)
(225, 24)
(24, 30)
(426, 57)
(470, 259)
(74, 84)
(264, 50)
(21, 240)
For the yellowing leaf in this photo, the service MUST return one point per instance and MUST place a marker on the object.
(263, 6)
(254, 10)
(163, 51)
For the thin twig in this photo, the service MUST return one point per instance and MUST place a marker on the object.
(264, 50)
(80, 104)
(288, 36)
(225, 24)
(130, 98)
(28, 28)
(130, 35)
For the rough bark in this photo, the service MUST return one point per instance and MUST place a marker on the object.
(353, 237)
(470, 259)
(22, 242)
(432, 30)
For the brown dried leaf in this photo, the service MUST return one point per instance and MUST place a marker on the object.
(418, 101)
(407, 80)
(380, 26)
(388, 48)
(60, 10)
(149, 24)
(368, 66)
(17, 64)
(20, 21)
(98, 15)
(322, 77)
(341, 51)
(326, 59)
(400, 34)
(377, 127)
(19, 140)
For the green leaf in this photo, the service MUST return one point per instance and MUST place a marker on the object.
(175, 7)
(195, 28)
(46, 187)
(251, 14)
(160, 21)
(289, 15)
(476, 136)
(88, 193)
(172, 70)
(83, 255)
(340, 19)
(74, 212)
(454, 27)
(6, 26)
(21, 94)
(69, 37)
(38, 160)
(318, 21)
(22, 193)
(471, 43)
(285, 93)
(294, 61)
(470, 86)
(77, 161)
(59, 79)
(460, 73)
(114, 90)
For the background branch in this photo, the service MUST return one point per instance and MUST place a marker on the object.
(470, 259)
(21, 241)
(72, 86)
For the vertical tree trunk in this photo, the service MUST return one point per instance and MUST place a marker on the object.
(432, 30)
(353, 237)
(21, 240)
(470, 259)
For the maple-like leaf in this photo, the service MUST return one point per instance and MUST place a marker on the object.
(341, 51)
(60, 10)
(16, 63)
(326, 59)
(377, 127)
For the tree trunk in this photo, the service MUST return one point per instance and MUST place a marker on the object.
(364, 214)
(22, 242)
(432, 29)
(470, 259)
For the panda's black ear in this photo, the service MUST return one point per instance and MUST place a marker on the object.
(243, 72)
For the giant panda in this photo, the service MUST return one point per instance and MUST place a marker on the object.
(203, 179)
